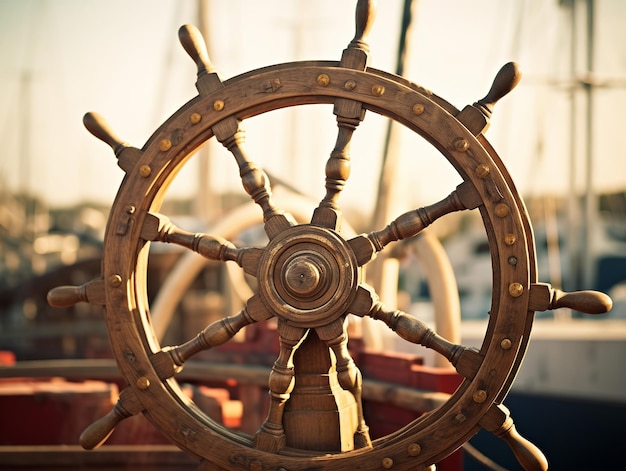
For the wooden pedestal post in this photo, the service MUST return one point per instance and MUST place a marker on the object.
(319, 415)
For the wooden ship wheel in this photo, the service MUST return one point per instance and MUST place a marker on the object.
(310, 276)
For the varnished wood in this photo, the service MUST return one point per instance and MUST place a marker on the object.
(349, 114)
(310, 277)
(498, 421)
(477, 117)
(230, 133)
(91, 292)
(320, 414)
(157, 227)
(544, 297)
(127, 156)
(96, 434)
(413, 222)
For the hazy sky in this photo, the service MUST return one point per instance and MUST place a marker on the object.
(62, 58)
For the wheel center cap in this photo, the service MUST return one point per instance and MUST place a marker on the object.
(302, 276)
(308, 276)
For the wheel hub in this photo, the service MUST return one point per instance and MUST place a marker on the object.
(308, 276)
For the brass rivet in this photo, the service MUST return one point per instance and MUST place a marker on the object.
(461, 145)
(502, 210)
(387, 463)
(460, 418)
(145, 171)
(218, 105)
(350, 85)
(418, 108)
(414, 449)
(323, 80)
(143, 383)
(506, 344)
(516, 289)
(195, 118)
(480, 396)
(512, 260)
(509, 239)
(130, 209)
(115, 280)
(482, 170)
(165, 145)
(378, 90)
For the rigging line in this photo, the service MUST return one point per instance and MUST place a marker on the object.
(481, 458)
(25, 92)
(388, 169)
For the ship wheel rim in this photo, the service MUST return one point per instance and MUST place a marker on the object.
(417, 109)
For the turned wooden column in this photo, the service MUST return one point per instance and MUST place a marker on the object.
(319, 415)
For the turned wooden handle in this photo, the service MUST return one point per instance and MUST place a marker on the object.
(98, 432)
(66, 296)
(99, 127)
(498, 421)
(365, 14)
(543, 297)
(589, 302)
(127, 155)
(506, 80)
(192, 41)
(528, 455)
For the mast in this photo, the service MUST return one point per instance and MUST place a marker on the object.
(590, 199)
(573, 210)
(383, 271)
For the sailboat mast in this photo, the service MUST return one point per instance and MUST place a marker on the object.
(383, 271)
(590, 199)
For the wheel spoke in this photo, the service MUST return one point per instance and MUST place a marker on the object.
(255, 181)
(158, 227)
(367, 303)
(411, 223)
(170, 360)
(349, 114)
(416, 331)
(230, 133)
(271, 435)
(327, 214)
